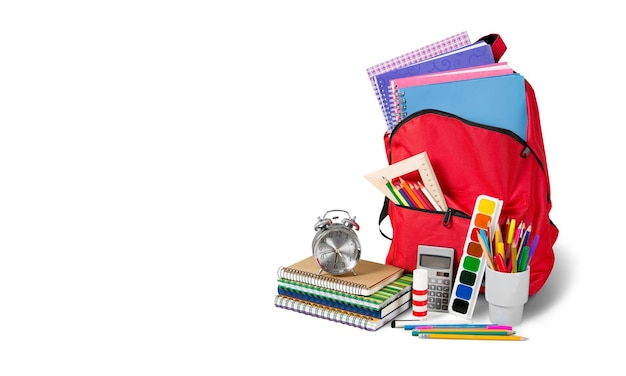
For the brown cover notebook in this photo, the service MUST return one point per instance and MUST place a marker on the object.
(370, 276)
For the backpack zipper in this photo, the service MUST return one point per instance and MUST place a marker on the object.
(526, 151)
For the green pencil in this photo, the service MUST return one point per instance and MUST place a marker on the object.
(492, 332)
(393, 191)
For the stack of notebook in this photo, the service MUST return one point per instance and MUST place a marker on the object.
(452, 75)
(369, 299)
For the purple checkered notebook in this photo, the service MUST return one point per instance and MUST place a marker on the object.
(437, 48)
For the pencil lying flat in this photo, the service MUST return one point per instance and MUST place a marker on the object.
(490, 332)
(458, 326)
(472, 336)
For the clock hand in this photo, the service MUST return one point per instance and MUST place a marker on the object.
(325, 249)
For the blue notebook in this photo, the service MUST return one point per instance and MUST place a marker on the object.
(498, 101)
(476, 54)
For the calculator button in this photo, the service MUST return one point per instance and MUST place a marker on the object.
(439, 294)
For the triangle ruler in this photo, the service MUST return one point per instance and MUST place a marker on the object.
(418, 162)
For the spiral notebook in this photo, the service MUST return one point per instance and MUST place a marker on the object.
(338, 315)
(379, 304)
(476, 54)
(489, 70)
(370, 276)
(498, 101)
(448, 44)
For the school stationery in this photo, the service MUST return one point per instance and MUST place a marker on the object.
(457, 326)
(370, 276)
(400, 108)
(486, 331)
(439, 265)
(410, 324)
(417, 170)
(488, 70)
(337, 315)
(448, 44)
(473, 336)
(498, 101)
(479, 53)
(471, 159)
(469, 275)
(379, 313)
(420, 293)
(375, 302)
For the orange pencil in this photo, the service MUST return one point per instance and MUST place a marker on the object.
(411, 193)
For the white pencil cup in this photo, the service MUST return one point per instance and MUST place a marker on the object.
(506, 294)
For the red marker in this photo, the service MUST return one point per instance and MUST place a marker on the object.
(499, 262)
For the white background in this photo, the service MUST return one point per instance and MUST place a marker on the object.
(159, 160)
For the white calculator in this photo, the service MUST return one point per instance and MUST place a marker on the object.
(439, 262)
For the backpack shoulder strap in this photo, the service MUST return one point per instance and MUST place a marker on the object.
(497, 45)
(384, 212)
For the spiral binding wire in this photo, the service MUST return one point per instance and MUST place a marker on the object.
(399, 104)
(389, 118)
(321, 281)
(318, 310)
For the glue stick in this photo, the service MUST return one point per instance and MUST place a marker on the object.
(420, 293)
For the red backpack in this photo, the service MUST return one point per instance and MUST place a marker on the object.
(471, 159)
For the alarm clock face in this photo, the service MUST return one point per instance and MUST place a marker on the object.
(337, 250)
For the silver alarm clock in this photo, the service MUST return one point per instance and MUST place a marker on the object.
(336, 246)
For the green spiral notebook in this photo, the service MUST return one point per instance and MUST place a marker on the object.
(379, 304)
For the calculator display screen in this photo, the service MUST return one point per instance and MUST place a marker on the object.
(435, 262)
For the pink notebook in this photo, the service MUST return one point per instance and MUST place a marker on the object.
(489, 70)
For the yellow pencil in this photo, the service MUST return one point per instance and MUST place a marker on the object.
(472, 336)
(481, 331)
(509, 238)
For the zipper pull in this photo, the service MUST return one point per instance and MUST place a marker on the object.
(447, 217)
(525, 152)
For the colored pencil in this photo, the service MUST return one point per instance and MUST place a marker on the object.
(415, 200)
(509, 240)
(493, 332)
(473, 336)
(422, 197)
(391, 189)
(481, 240)
(404, 196)
(429, 196)
(457, 326)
